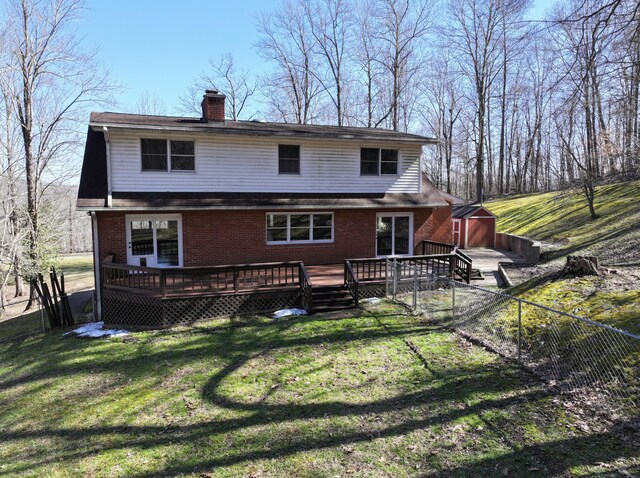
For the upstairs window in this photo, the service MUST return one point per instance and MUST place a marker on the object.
(288, 159)
(154, 154)
(167, 155)
(375, 161)
(183, 156)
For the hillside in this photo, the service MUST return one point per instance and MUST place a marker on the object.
(561, 221)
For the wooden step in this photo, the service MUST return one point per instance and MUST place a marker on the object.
(332, 298)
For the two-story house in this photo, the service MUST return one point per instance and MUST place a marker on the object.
(173, 192)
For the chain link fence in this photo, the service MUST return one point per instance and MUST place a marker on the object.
(593, 362)
(16, 322)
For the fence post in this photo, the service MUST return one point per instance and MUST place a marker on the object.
(44, 327)
(415, 288)
(386, 277)
(395, 277)
(519, 331)
(453, 301)
(452, 266)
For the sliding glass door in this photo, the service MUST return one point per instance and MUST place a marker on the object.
(393, 234)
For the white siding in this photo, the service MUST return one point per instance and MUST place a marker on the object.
(250, 164)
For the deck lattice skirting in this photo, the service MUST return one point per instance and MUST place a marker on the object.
(148, 312)
(151, 298)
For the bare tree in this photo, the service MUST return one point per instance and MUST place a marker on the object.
(150, 104)
(57, 81)
(368, 72)
(331, 22)
(236, 84)
(402, 27)
(292, 90)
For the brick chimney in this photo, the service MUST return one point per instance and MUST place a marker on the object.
(213, 106)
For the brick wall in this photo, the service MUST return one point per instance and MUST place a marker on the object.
(112, 235)
(232, 237)
(442, 225)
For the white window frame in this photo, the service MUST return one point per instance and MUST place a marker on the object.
(168, 169)
(154, 218)
(289, 214)
(393, 235)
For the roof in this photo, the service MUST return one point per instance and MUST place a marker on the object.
(427, 183)
(467, 210)
(192, 200)
(93, 178)
(252, 128)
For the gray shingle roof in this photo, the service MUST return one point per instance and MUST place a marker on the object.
(252, 128)
(467, 210)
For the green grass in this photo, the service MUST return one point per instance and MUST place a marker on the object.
(319, 396)
(562, 217)
(584, 297)
(78, 271)
(15, 322)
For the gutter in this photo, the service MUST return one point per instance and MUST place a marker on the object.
(96, 265)
(107, 141)
(208, 129)
(179, 207)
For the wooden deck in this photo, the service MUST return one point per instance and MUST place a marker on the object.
(153, 296)
(326, 275)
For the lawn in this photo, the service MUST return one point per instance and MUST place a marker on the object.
(78, 272)
(561, 220)
(371, 393)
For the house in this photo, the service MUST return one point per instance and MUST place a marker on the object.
(473, 226)
(170, 194)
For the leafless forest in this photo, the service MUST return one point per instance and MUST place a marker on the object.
(518, 104)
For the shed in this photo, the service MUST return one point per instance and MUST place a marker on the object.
(473, 226)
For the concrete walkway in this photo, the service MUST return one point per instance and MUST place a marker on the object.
(486, 260)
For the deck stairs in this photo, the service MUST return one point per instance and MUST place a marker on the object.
(331, 298)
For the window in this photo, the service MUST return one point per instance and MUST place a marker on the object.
(183, 156)
(388, 161)
(288, 159)
(167, 155)
(287, 228)
(154, 154)
(374, 161)
(369, 161)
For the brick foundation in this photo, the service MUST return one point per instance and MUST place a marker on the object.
(238, 237)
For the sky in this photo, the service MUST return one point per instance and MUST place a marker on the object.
(159, 47)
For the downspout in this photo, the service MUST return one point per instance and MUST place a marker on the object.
(107, 141)
(96, 265)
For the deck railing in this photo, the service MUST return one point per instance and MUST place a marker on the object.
(430, 248)
(187, 281)
(306, 288)
(442, 259)
(351, 281)
(461, 264)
